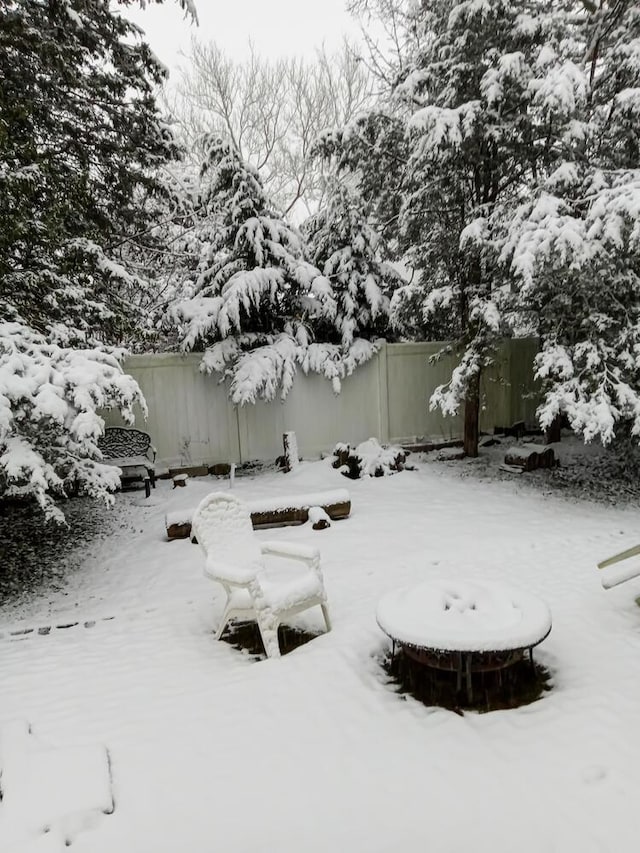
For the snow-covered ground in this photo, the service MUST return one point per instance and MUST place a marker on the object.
(209, 749)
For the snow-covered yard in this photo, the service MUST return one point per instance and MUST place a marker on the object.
(209, 749)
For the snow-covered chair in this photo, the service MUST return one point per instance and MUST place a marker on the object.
(613, 576)
(257, 587)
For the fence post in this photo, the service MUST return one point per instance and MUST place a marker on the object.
(383, 394)
(235, 438)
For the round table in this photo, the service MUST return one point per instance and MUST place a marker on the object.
(464, 625)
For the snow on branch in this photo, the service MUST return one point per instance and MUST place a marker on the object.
(585, 383)
(261, 367)
(188, 6)
(263, 371)
(49, 424)
(562, 90)
(444, 126)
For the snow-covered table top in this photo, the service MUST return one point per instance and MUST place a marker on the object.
(464, 616)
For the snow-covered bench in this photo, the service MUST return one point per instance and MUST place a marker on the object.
(131, 451)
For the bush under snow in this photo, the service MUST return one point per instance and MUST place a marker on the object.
(368, 459)
(49, 425)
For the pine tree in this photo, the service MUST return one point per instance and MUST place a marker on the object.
(49, 423)
(347, 250)
(248, 301)
(451, 143)
(81, 142)
(476, 146)
(574, 243)
(504, 161)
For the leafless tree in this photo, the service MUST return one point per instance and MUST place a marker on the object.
(389, 35)
(272, 110)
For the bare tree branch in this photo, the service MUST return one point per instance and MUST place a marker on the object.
(272, 111)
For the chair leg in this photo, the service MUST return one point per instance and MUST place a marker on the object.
(325, 613)
(224, 621)
(269, 634)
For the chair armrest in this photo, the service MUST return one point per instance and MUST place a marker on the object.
(617, 558)
(151, 451)
(231, 575)
(295, 551)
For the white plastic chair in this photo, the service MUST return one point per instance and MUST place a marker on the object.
(255, 588)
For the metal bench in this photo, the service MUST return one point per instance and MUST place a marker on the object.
(131, 451)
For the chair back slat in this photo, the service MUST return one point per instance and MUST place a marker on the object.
(222, 525)
(120, 442)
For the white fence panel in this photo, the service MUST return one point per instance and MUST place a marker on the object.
(190, 418)
(318, 417)
(411, 381)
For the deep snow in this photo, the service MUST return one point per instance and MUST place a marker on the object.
(316, 751)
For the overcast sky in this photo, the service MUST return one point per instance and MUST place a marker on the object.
(276, 27)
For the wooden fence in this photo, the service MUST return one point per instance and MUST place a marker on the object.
(191, 420)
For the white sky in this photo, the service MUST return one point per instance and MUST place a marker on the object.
(276, 27)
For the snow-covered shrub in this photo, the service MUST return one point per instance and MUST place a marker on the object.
(49, 426)
(368, 459)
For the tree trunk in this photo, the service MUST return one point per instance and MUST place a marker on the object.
(552, 433)
(472, 418)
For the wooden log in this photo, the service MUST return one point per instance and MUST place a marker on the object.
(190, 470)
(529, 457)
(547, 458)
(517, 458)
(178, 529)
(428, 446)
(337, 505)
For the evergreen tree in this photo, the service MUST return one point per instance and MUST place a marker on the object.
(49, 424)
(574, 243)
(81, 142)
(451, 143)
(474, 147)
(251, 274)
(255, 297)
(518, 195)
(347, 250)
(251, 270)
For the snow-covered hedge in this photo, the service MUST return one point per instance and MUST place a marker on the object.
(368, 459)
(49, 425)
